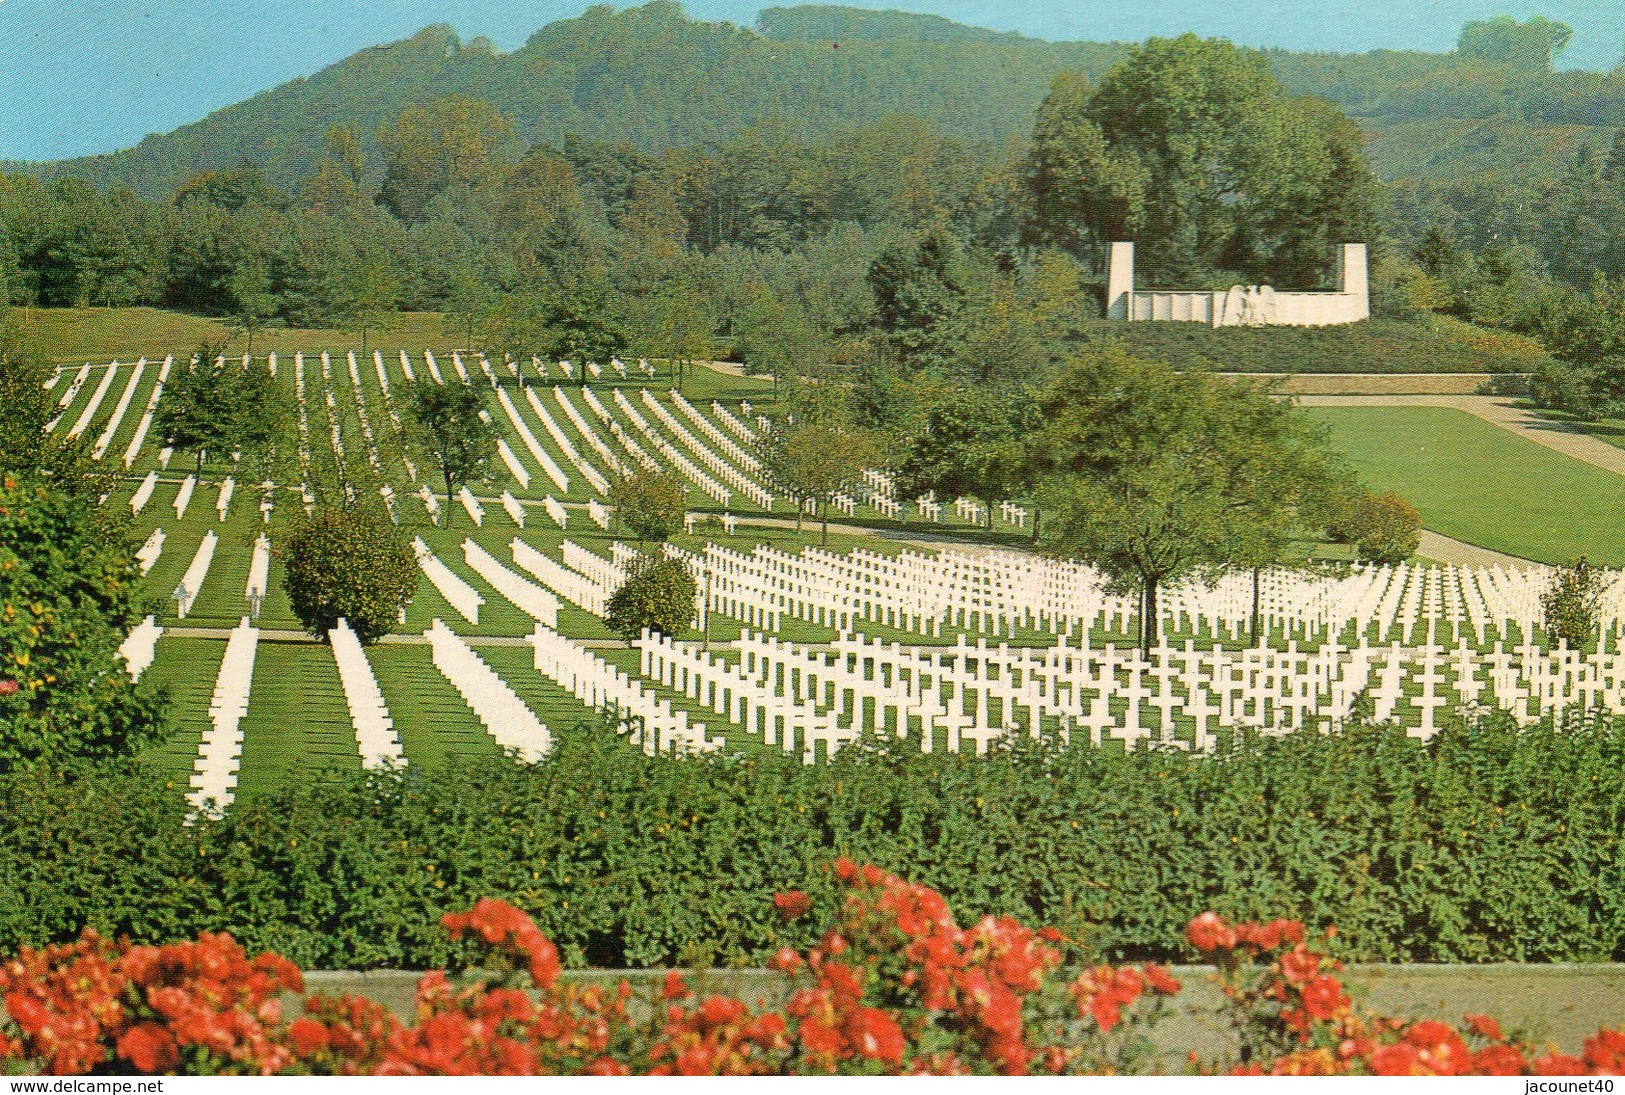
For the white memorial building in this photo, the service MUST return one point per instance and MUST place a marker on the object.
(1241, 306)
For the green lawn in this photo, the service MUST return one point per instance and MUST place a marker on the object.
(1480, 483)
(101, 334)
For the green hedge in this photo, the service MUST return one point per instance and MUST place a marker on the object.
(1438, 345)
(1489, 843)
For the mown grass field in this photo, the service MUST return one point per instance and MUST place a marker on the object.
(99, 334)
(1477, 482)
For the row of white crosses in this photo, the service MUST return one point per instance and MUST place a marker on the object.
(721, 440)
(556, 511)
(590, 435)
(259, 575)
(147, 554)
(183, 497)
(504, 715)
(693, 474)
(514, 508)
(536, 602)
(140, 647)
(622, 438)
(375, 737)
(593, 477)
(143, 492)
(145, 424)
(744, 693)
(119, 410)
(302, 413)
(214, 777)
(549, 466)
(596, 683)
(735, 478)
(579, 589)
(1013, 514)
(740, 430)
(458, 593)
(83, 421)
(191, 583)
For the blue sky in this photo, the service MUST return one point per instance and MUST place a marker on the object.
(85, 76)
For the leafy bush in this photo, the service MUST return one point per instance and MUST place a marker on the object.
(1572, 602)
(69, 594)
(1474, 846)
(658, 595)
(1384, 528)
(353, 565)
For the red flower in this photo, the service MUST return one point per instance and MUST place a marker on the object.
(674, 988)
(876, 1035)
(1442, 1050)
(1485, 1027)
(845, 869)
(1605, 1052)
(786, 961)
(150, 1048)
(1498, 1060)
(308, 1036)
(1398, 1059)
(1161, 981)
(1323, 998)
(721, 1010)
(1208, 932)
(792, 904)
(7, 687)
(1299, 964)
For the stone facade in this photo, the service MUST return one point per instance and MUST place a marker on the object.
(1241, 306)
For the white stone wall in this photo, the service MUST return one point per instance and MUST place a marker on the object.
(1258, 306)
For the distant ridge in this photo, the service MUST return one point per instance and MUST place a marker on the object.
(834, 23)
(655, 78)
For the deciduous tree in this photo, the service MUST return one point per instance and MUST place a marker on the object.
(446, 426)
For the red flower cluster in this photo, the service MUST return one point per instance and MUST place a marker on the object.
(90, 1004)
(717, 1036)
(894, 986)
(505, 927)
(1103, 992)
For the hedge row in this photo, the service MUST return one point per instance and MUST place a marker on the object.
(1487, 843)
(1374, 346)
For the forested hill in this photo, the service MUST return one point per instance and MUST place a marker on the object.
(655, 78)
(647, 75)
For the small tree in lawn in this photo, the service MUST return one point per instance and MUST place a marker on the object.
(651, 504)
(196, 411)
(816, 453)
(446, 428)
(1155, 476)
(1571, 603)
(350, 564)
(1384, 528)
(253, 303)
(963, 442)
(658, 594)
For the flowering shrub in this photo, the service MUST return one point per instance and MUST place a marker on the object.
(893, 986)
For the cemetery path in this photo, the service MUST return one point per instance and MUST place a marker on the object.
(1501, 411)
(1443, 549)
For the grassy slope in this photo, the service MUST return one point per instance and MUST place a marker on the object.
(99, 334)
(1480, 483)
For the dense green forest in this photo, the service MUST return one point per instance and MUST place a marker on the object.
(839, 188)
